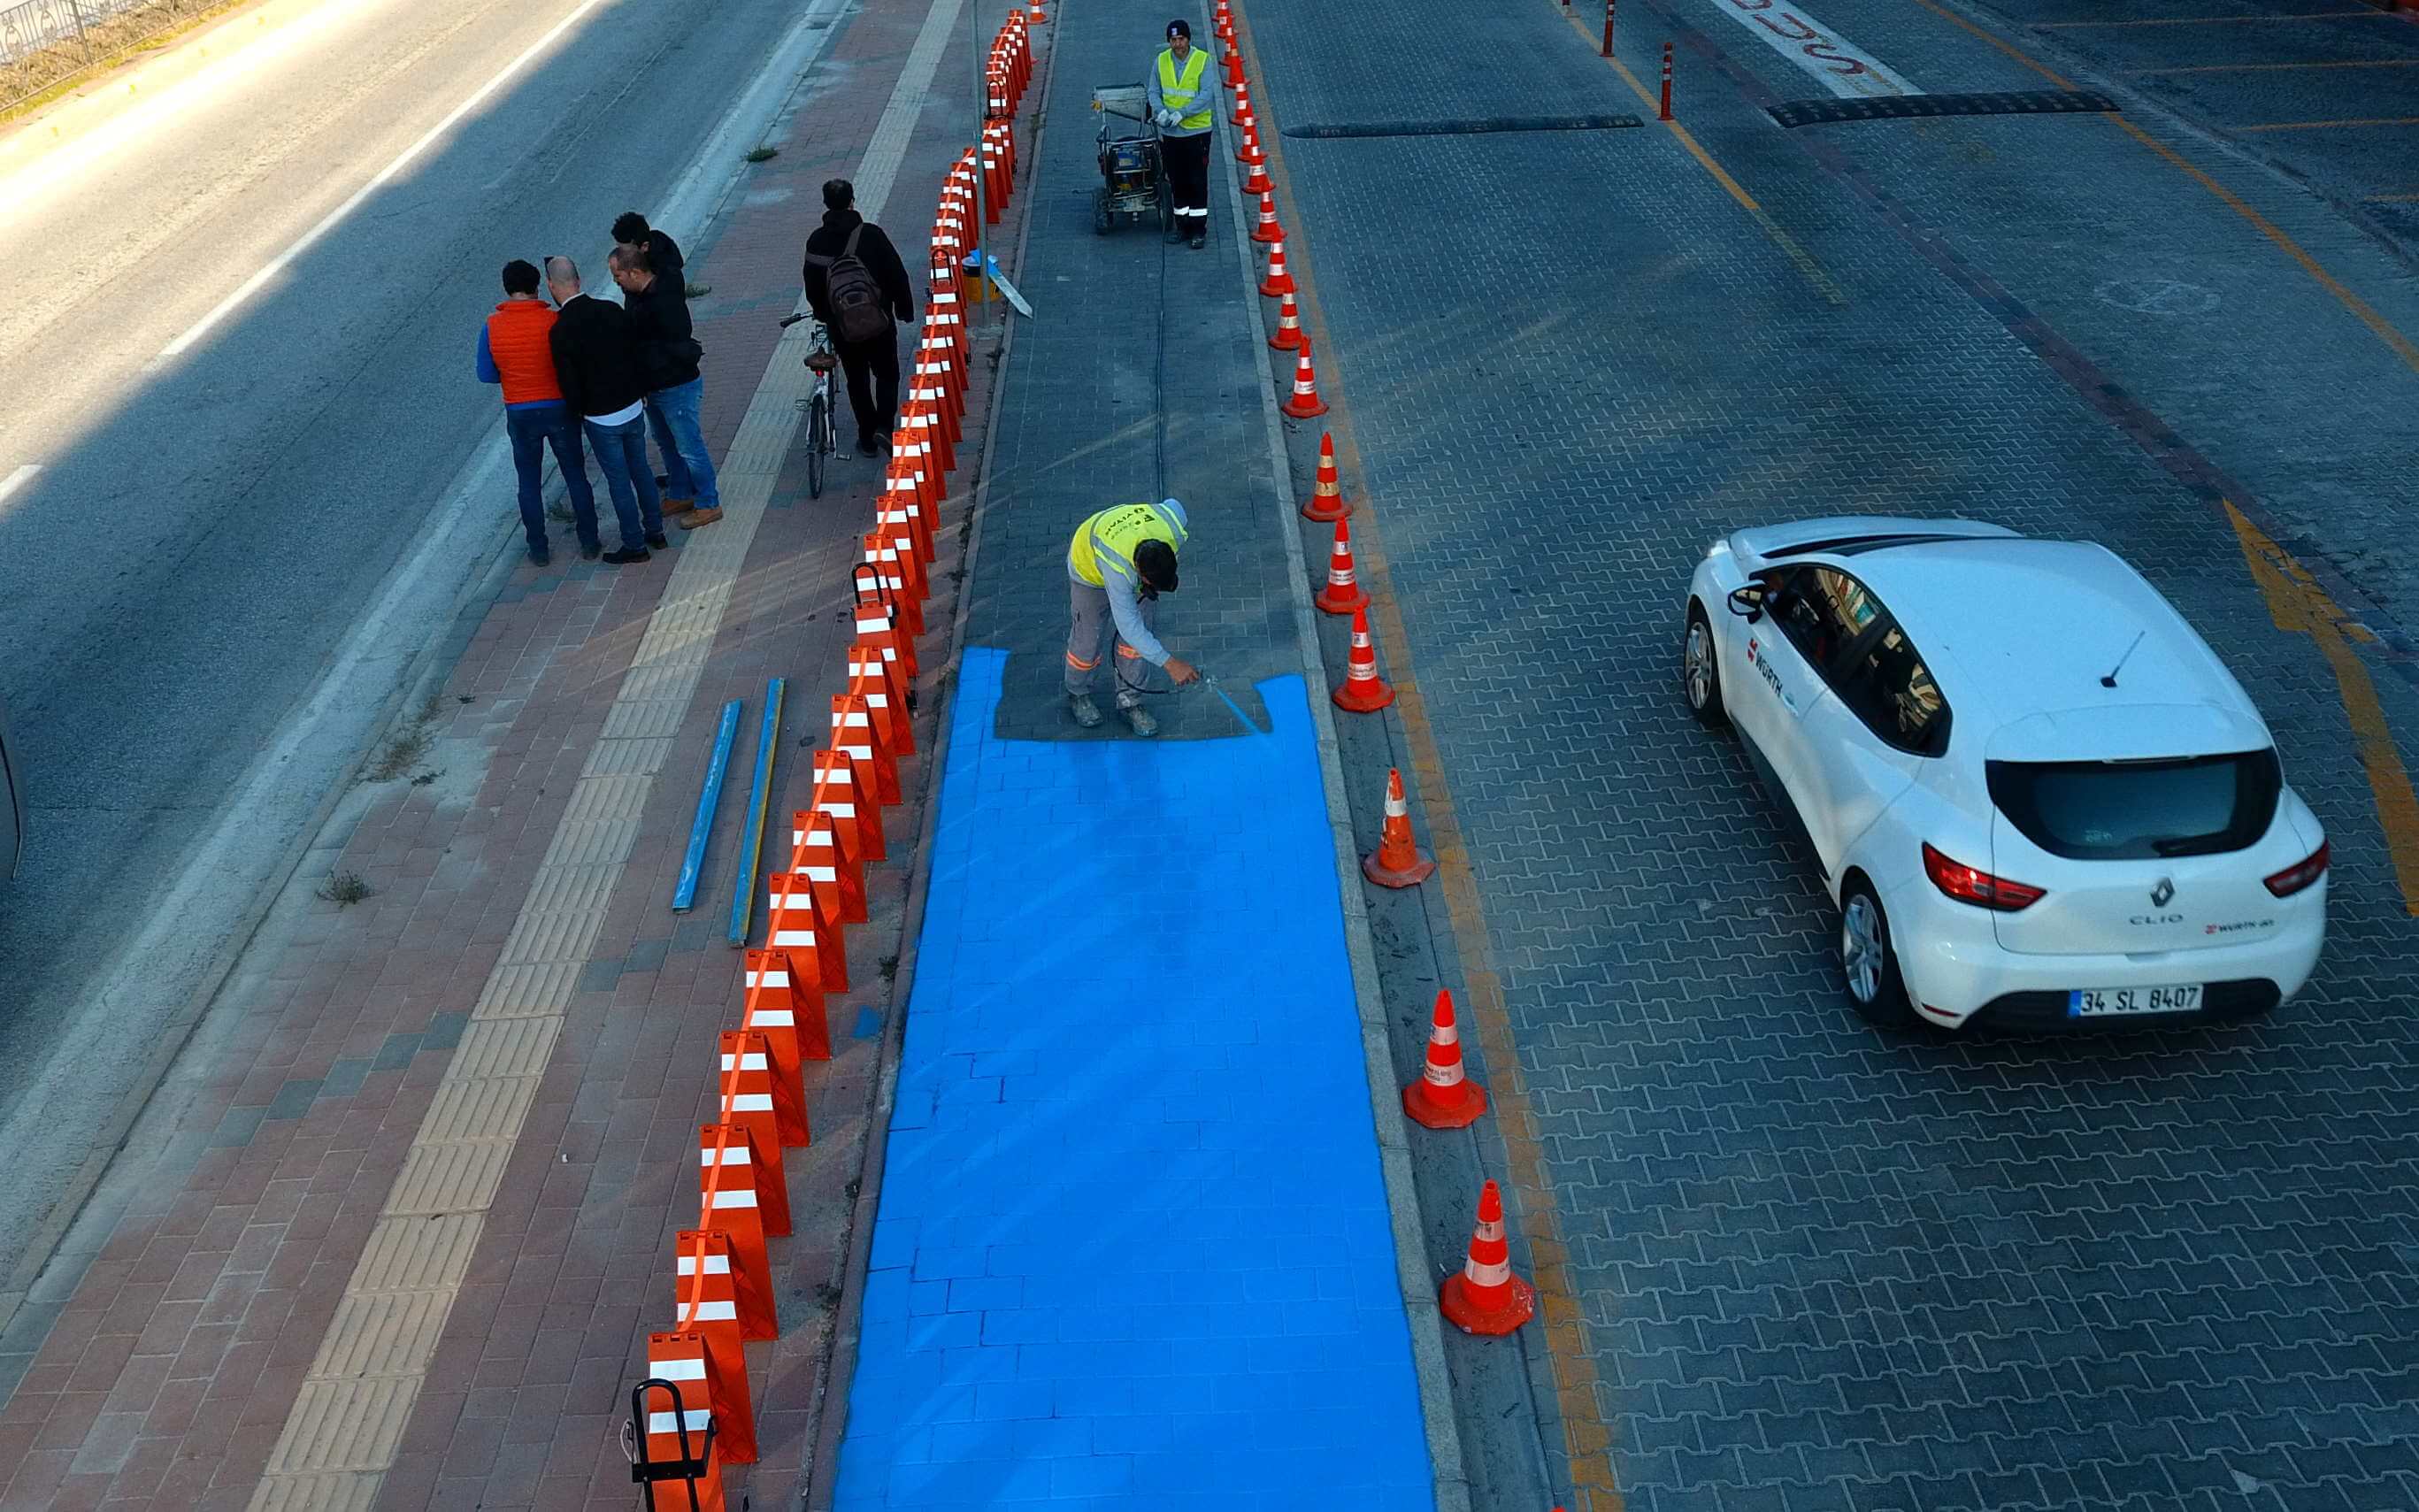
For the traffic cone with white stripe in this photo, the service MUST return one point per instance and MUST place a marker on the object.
(1278, 279)
(1242, 105)
(1363, 690)
(1343, 592)
(706, 1252)
(1484, 1297)
(1305, 403)
(1444, 1098)
(1397, 862)
(1325, 501)
(766, 1103)
(1267, 229)
(677, 1437)
(1256, 175)
(706, 1304)
(1287, 337)
(727, 1199)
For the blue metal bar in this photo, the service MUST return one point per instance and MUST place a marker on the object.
(707, 801)
(760, 796)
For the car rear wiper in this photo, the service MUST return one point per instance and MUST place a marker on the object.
(2188, 844)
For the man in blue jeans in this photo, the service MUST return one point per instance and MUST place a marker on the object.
(669, 355)
(515, 352)
(597, 362)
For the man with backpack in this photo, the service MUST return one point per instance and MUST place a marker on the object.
(857, 286)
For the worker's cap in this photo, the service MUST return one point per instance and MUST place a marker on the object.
(1179, 27)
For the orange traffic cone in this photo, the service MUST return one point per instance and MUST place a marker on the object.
(1242, 105)
(1268, 230)
(1287, 335)
(1397, 862)
(1247, 138)
(1487, 1298)
(1325, 501)
(1364, 690)
(1279, 281)
(1343, 594)
(1305, 403)
(1442, 1098)
(1035, 15)
(1257, 180)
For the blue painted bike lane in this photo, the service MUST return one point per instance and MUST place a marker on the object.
(1132, 1248)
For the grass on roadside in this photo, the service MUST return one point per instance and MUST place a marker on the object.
(403, 752)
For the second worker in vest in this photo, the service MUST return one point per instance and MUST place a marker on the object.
(1184, 102)
(1120, 560)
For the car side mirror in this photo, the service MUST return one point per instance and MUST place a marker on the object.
(1747, 601)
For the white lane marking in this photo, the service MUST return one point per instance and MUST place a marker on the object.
(18, 479)
(1839, 65)
(276, 265)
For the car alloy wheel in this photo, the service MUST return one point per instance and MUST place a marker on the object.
(1876, 989)
(1701, 677)
(1863, 952)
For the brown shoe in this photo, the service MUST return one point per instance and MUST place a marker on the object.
(679, 506)
(696, 517)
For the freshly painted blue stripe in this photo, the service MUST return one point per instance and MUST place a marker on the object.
(708, 800)
(760, 793)
(1132, 1249)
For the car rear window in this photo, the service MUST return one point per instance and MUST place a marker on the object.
(2195, 805)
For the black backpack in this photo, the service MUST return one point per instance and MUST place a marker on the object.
(858, 311)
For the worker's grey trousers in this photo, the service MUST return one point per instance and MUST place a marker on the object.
(1093, 624)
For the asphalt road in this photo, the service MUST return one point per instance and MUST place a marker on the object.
(205, 531)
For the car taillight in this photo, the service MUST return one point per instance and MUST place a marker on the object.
(1984, 891)
(2300, 874)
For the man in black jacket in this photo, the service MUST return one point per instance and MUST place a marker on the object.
(631, 230)
(872, 364)
(596, 363)
(668, 354)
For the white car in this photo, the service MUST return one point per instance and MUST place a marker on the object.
(2038, 797)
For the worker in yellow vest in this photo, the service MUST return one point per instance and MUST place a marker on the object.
(1119, 563)
(1184, 102)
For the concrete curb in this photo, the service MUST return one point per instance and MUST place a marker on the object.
(816, 1492)
(1443, 1426)
(138, 80)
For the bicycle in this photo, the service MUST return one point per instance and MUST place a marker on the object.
(823, 437)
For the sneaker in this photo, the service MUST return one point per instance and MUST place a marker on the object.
(1086, 713)
(882, 440)
(1174, 233)
(679, 506)
(696, 517)
(539, 556)
(625, 556)
(865, 447)
(591, 552)
(1140, 720)
(659, 542)
(1200, 240)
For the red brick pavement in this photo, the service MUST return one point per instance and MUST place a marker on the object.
(171, 1363)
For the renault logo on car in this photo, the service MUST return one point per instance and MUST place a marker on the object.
(2164, 890)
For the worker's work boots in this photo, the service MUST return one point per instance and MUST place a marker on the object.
(1086, 713)
(1138, 718)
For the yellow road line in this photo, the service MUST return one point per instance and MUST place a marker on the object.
(2300, 607)
(2212, 21)
(2328, 125)
(1799, 256)
(1587, 1439)
(2379, 326)
(2274, 68)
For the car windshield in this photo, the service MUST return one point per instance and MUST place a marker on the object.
(2107, 810)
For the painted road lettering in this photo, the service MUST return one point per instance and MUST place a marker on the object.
(1841, 67)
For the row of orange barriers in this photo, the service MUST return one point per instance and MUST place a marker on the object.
(693, 1415)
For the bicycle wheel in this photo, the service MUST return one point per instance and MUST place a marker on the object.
(818, 442)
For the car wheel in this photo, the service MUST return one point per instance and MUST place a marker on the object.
(1869, 964)
(1700, 675)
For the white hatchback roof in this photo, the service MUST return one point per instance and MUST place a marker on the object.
(2019, 632)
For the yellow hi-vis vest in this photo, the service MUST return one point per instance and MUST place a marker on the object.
(1109, 539)
(1180, 92)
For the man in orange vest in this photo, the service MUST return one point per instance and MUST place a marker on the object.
(516, 350)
